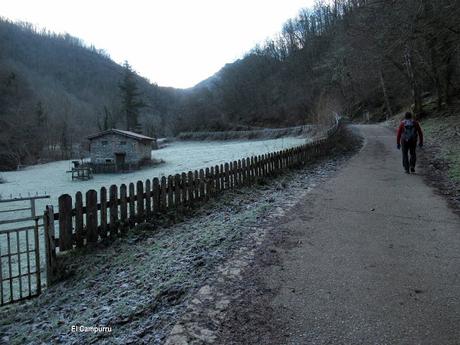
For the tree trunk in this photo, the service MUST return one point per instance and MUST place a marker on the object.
(415, 85)
(389, 112)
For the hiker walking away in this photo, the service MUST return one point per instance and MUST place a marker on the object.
(409, 132)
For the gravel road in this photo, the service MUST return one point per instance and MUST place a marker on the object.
(370, 256)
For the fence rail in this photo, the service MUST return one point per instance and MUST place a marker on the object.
(88, 218)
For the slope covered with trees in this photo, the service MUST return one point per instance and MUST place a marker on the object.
(349, 56)
(54, 91)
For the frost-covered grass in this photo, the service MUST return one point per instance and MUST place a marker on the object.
(179, 156)
(445, 133)
(140, 284)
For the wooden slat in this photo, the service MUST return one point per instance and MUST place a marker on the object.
(124, 222)
(79, 239)
(148, 200)
(190, 188)
(103, 197)
(91, 216)
(212, 182)
(140, 202)
(229, 176)
(251, 171)
(132, 205)
(50, 246)
(177, 192)
(238, 173)
(202, 184)
(163, 190)
(65, 222)
(155, 195)
(196, 186)
(114, 224)
(208, 183)
(243, 172)
(216, 179)
(170, 192)
(183, 189)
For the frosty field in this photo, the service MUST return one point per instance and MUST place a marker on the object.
(179, 156)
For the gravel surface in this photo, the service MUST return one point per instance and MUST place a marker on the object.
(370, 256)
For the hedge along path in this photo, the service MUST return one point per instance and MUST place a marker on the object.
(102, 215)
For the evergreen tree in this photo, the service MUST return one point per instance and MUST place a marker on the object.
(130, 98)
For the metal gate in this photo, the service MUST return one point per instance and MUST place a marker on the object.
(20, 273)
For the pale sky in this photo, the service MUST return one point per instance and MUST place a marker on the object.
(171, 42)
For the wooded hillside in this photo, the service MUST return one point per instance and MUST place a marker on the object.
(54, 91)
(351, 56)
(348, 56)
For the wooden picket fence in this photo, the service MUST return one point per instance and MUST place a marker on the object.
(94, 216)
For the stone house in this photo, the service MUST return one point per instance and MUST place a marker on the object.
(117, 150)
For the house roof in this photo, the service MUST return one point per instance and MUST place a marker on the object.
(127, 134)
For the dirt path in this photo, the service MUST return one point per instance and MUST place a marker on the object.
(372, 256)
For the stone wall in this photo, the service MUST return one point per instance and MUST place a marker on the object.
(105, 147)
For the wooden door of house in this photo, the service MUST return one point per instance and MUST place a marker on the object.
(120, 160)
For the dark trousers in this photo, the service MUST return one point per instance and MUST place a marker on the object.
(409, 148)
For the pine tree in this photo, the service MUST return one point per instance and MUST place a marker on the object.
(130, 98)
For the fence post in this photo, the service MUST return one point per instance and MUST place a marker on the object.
(140, 202)
(239, 173)
(183, 188)
(196, 186)
(177, 193)
(202, 183)
(156, 195)
(91, 216)
(170, 192)
(216, 179)
(208, 181)
(113, 211)
(132, 210)
(222, 177)
(227, 176)
(50, 246)
(65, 222)
(123, 208)
(248, 171)
(103, 196)
(148, 200)
(190, 188)
(163, 194)
(212, 182)
(79, 237)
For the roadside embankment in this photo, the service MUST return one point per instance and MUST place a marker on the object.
(442, 155)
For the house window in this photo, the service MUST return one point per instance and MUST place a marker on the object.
(104, 142)
(122, 142)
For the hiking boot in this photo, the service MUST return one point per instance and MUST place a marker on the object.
(412, 170)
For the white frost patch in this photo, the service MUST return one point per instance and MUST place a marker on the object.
(180, 156)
